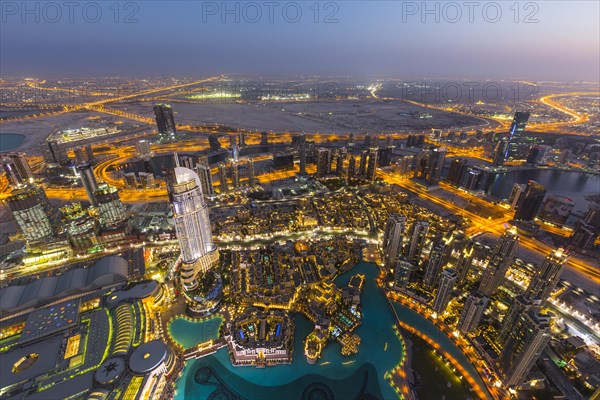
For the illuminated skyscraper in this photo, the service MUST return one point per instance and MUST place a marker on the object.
(493, 276)
(251, 173)
(418, 236)
(17, 169)
(393, 238)
(362, 167)
(302, 154)
(192, 225)
(223, 185)
(547, 276)
(464, 261)
(457, 171)
(435, 163)
(524, 345)
(32, 212)
(472, 312)
(372, 164)
(442, 297)
(203, 171)
(520, 305)
(438, 257)
(516, 193)
(514, 134)
(88, 180)
(235, 174)
(323, 162)
(163, 113)
(530, 201)
(500, 152)
(111, 209)
(506, 245)
(264, 139)
(402, 272)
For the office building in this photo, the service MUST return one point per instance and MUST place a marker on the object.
(403, 271)
(506, 245)
(457, 171)
(111, 210)
(17, 169)
(530, 202)
(517, 128)
(384, 158)
(192, 225)
(493, 276)
(500, 152)
(81, 228)
(393, 239)
(418, 237)
(235, 174)
(372, 164)
(32, 213)
(223, 185)
(521, 304)
(323, 162)
(464, 261)
(213, 142)
(524, 345)
(351, 139)
(88, 180)
(546, 278)
(473, 179)
(56, 152)
(351, 166)
(264, 139)
(203, 171)
(163, 113)
(515, 195)
(251, 173)
(442, 296)
(362, 167)
(339, 162)
(472, 312)
(142, 148)
(302, 154)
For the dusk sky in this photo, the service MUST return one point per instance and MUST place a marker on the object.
(369, 39)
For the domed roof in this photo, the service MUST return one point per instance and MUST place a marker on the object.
(148, 356)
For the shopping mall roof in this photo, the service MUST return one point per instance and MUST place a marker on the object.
(148, 356)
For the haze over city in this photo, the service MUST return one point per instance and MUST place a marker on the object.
(349, 200)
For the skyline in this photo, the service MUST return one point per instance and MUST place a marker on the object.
(384, 40)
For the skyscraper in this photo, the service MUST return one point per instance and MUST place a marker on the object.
(372, 165)
(223, 185)
(88, 180)
(251, 174)
(351, 139)
(473, 178)
(163, 113)
(351, 166)
(464, 261)
(524, 345)
(472, 312)
(110, 208)
(235, 174)
(520, 305)
(192, 225)
(393, 239)
(362, 167)
(514, 134)
(203, 171)
(302, 153)
(418, 236)
(17, 169)
(32, 212)
(264, 139)
(442, 297)
(547, 276)
(530, 202)
(437, 260)
(506, 245)
(501, 152)
(323, 162)
(435, 164)
(402, 272)
(493, 276)
(457, 171)
(515, 195)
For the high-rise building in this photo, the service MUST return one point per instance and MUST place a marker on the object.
(302, 154)
(351, 166)
(385, 156)
(163, 113)
(57, 152)
(516, 193)
(464, 261)
(438, 257)
(520, 305)
(362, 167)
(351, 139)
(203, 171)
(32, 212)
(435, 163)
(457, 171)
(493, 276)
(500, 152)
(80, 156)
(242, 139)
(442, 297)
(213, 142)
(517, 128)
(537, 154)
(17, 169)
(251, 173)
(403, 271)
(232, 140)
(472, 312)
(524, 345)
(506, 245)
(367, 141)
(264, 139)
(80, 227)
(223, 185)
(192, 225)
(89, 152)
(418, 236)
(547, 276)
(339, 162)
(111, 210)
(393, 238)
(473, 178)
(372, 164)
(323, 162)
(530, 202)
(88, 180)
(235, 174)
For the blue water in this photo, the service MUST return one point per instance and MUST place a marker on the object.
(190, 333)
(10, 141)
(344, 380)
